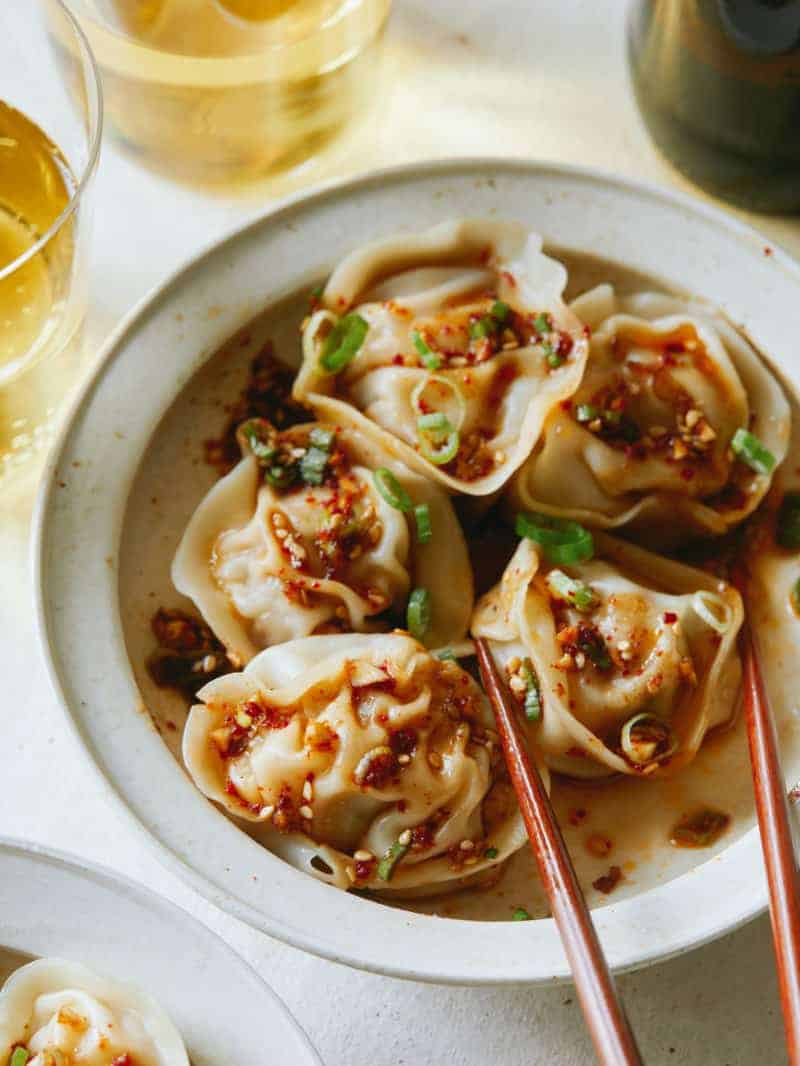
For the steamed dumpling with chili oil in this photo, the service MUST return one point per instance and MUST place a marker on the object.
(369, 761)
(318, 530)
(677, 424)
(63, 1014)
(625, 660)
(452, 345)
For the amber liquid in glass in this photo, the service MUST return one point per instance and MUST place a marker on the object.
(221, 90)
(36, 186)
(718, 84)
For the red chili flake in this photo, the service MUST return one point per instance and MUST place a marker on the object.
(364, 868)
(422, 837)
(485, 256)
(608, 882)
(380, 771)
(402, 805)
(670, 618)
(509, 278)
(399, 359)
(403, 741)
(576, 753)
(794, 793)
(687, 473)
(123, 1060)
(577, 815)
(767, 250)
(565, 344)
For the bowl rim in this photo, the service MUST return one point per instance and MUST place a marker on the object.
(117, 884)
(458, 971)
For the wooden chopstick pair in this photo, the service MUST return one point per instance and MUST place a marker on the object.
(603, 1010)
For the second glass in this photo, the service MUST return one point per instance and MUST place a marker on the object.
(222, 90)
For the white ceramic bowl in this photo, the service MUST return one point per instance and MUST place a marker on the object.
(222, 1008)
(83, 513)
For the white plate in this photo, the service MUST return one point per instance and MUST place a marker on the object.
(222, 1008)
(84, 518)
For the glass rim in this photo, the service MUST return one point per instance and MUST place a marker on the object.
(250, 64)
(94, 139)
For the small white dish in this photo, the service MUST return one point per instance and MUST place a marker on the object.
(95, 540)
(51, 906)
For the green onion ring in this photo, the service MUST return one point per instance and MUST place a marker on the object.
(563, 541)
(443, 454)
(629, 747)
(461, 403)
(392, 857)
(391, 490)
(343, 342)
(418, 613)
(422, 516)
(751, 451)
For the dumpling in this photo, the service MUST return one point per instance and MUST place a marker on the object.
(677, 424)
(370, 762)
(452, 345)
(318, 530)
(62, 1013)
(628, 659)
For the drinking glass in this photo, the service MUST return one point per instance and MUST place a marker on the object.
(222, 91)
(50, 128)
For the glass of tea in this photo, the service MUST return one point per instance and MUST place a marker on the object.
(222, 91)
(50, 126)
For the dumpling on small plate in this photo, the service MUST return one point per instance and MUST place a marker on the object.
(369, 762)
(452, 346)
(623, 661)
(54, 1013)
(677, 425)
(318, 530)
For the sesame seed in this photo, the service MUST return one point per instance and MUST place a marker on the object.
(404, 760)
(306, 812)
(580, 660)
(623, 645)
(595, 425)
(405, 838)
(693, 417)
(467, 845)
(363, 856)
(499, 456)
(566, 662)
(267, 812)
(281, 533)
(308, 791)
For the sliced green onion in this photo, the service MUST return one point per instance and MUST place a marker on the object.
(481, 328)
(491, 853)
(586, 412)
(533, 693)
(280, 476)
(313, 464)
(322, 438)
(442, 453)
(591, 643)
(554, 360)
(713, 610)
(646, 738)
(500, 311)
(435, 422)
(19, 1057)
(390, 860)
(391, 490)
(787, 530)
(751, 451)
(564, 542)
(579, 595)
(429, 358)
(541, 323)
(253, 432)
(794, 596)
(422, 516)
(446, 655)
(439, 379)
(418, 613)
(521, 915)
(343, 342)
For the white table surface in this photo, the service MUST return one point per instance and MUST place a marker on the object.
(510, 77)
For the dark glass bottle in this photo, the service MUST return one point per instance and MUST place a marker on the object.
(718, 85)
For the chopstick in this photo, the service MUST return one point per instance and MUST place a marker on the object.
(605, 1016)
(776, 836)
